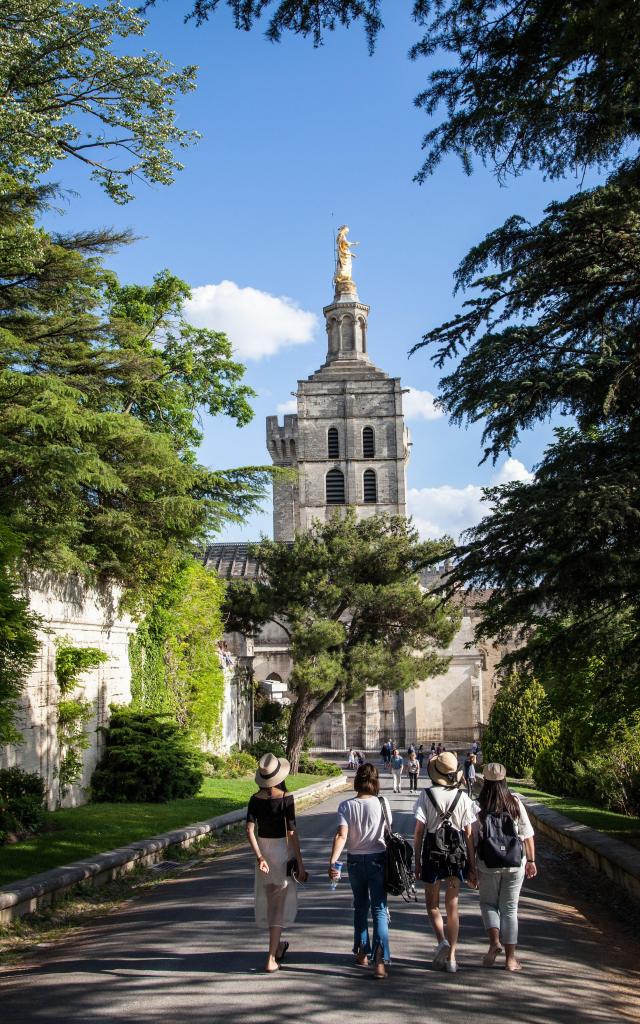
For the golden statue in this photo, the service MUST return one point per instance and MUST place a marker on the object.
(344, 256)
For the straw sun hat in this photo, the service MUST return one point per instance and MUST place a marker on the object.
(272, 771)
(444, 770)
(494, 772)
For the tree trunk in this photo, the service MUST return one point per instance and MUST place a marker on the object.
(297, 731)
(304, 713)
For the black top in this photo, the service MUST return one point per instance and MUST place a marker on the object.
(274, 816)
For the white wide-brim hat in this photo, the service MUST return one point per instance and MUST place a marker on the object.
(444, 769)
(272, 771)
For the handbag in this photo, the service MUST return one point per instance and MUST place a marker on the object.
(292, 867)
(399, 879)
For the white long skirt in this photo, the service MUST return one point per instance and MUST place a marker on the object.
(276, 898)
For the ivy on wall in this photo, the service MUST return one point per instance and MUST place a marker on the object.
(74, 712)
(175, 664)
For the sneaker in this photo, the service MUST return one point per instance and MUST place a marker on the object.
(441, 954)
(451, 967)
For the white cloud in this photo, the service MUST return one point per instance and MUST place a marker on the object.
(288, 407)
(512, 469)
(258, 324)
(451, 510)
(420, 405)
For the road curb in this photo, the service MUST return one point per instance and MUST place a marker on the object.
(37, 891)
(617, 860)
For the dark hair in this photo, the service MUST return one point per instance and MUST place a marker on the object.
(367, 779)
(495, 798)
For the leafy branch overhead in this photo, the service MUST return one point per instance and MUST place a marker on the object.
(101, 387)
(66, 92)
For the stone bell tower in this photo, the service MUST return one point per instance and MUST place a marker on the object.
(348, 443)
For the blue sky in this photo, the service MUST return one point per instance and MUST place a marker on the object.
(297, 141)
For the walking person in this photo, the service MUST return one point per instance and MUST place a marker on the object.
(421, 755)
(506, 856)
(444, 851)
(413, 769)
(361, 827)
(272, 811)
(471, 774)
(397, 768)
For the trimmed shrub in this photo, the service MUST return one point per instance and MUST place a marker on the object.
(520, 726)
(22, 807)
(146, 759)
(317, 766)
(236, 765)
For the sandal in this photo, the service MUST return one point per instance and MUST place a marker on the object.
(280, 957)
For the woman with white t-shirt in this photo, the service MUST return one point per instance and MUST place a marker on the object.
(500, 886)
(361, 828)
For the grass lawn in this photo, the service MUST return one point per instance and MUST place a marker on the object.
(95, 828)
(619, 826)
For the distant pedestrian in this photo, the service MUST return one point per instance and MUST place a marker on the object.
(272, 811)
(413, 769)
(444, 851)
(471, 774)
(475, 747)
(361, 827)
(506, 856)
(397, 768)
(421, 756)
(433, 752)
(351, 760)
(439, 749)
(411, 749)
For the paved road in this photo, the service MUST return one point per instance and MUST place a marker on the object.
(188, 951)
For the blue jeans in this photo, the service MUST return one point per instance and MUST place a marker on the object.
(366, 874)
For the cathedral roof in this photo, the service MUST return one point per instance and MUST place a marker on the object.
(232, 561)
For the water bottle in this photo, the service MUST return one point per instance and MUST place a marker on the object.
(337, 866)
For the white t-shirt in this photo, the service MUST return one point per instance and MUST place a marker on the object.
(425, 812)
(365, 822)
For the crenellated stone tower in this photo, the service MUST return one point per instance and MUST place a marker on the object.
(348, 443)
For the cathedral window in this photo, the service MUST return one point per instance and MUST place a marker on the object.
(368, 443)
(333, 444)
(335, 487)
(370, 487)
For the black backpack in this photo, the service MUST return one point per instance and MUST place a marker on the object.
(399, 879)
(500, 845)
(445, 849)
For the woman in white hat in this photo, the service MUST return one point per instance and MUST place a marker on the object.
(444, 854)
(506, 856)
(279, 864)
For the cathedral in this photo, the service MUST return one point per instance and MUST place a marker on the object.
(348, 445)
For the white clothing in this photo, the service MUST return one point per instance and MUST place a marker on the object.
(524, 828)
(397, 779)
(365, 821)
(276, 898)
(463, 814)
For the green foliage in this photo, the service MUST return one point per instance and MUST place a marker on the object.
(18, 636)
(69, 88)
(317, 766)
(145, 759)
(174, 655)
(520, 726)
(273, 732)
(235, 765)
(73, 713)
(101, 388)
(348, 593)
(22, 807)
(72, 662)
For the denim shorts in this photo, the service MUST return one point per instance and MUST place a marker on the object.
(431, 873)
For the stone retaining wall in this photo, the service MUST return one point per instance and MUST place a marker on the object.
(37, 891)
(618, 861)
